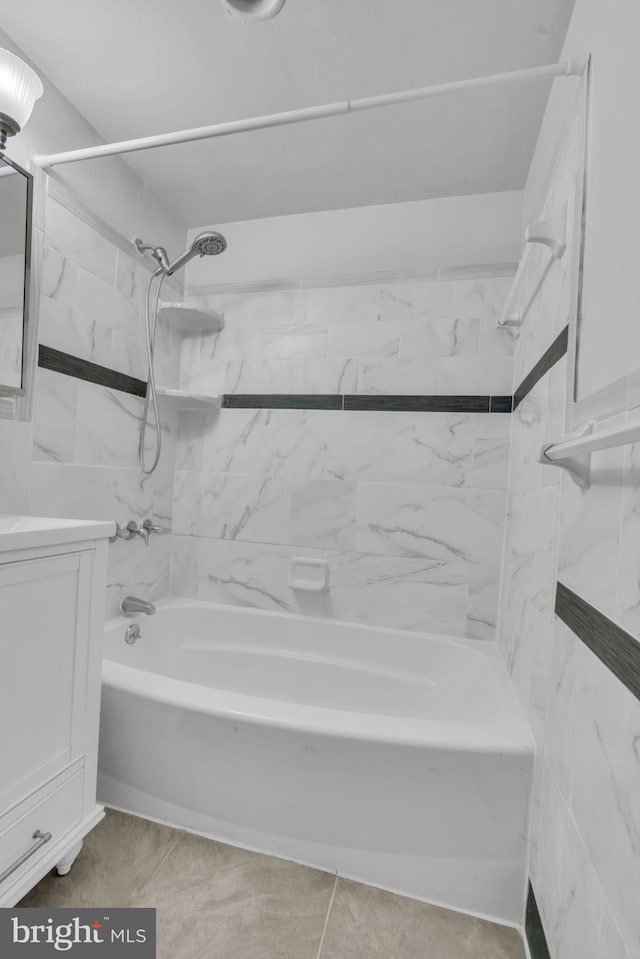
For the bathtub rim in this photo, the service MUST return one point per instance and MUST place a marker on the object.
(507, 732)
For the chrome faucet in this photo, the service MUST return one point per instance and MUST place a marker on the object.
(131, 604)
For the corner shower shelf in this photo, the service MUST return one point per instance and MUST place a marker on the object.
(184, 401)
(186, 319)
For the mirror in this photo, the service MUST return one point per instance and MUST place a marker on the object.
(16, 190)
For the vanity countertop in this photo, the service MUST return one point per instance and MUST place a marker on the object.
(24, 532)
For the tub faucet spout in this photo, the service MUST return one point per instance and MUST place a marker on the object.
(131, 604)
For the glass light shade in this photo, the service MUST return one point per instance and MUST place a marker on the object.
(20, 87)
(253, 9)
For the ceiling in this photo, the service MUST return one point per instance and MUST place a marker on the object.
(139, 67)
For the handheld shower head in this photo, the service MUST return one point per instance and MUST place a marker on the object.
(205, 244)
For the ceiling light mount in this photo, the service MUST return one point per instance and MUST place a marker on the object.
(253, 9)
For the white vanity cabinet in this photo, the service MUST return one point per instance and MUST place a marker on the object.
(52, 589)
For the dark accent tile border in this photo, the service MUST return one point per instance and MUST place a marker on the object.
(59, 362)
(614, 646)
(501, 404)
(534, 930)
(282, 401)
(555, 352)
(419, 404)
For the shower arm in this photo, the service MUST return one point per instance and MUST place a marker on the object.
(566, 68)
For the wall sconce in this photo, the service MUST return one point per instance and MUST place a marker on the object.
(253, 9)
(20, 87)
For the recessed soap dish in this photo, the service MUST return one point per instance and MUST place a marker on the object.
(309, 574)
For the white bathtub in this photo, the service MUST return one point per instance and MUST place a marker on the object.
(397, 759)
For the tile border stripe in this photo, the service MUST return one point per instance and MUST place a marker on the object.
(549, 358)
(613, 645)
(363, 401)
(282, 401)
(534, 929)
(59, 362)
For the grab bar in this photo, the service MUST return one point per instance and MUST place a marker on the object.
(573, 454)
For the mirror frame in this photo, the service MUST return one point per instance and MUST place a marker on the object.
(21, 390)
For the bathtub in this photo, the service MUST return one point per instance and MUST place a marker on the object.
(397, 759)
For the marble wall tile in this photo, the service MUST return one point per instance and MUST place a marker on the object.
(417, 301)
(478, 375)
(491, 443)
(108, 428)
(269, 442)
(611, 943)
(528, 434)
(258, 310)
(628, 598)
(103, 493)
(590, 532)
(480, 298)
(380, 338)
(323, 513)
(105, 304)
(79, 242)
(128, 356)
(15, 459)
(54, 417)
(292, 376)
(230, 506)
(197, 374)
(131, 278)
(72, 332)
(184, 565)
(304, 341)
(496, 340)
(435, 448)
(559, 734)
(399, 376)
(370, 589)
(138, 570)
(346, 304)
(576, 927)
(59, 277)
(439, 337)
(606, 786)
(530, 561)
(453, 528)
(236, 342)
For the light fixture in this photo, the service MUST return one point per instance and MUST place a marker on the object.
(20, 87)
(253, 9)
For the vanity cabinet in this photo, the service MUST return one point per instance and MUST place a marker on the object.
(52, 589)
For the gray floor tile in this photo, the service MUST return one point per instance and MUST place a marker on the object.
(118, 857)
(367, 923)
(216, 900)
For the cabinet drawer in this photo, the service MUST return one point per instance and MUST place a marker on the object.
(56, 812)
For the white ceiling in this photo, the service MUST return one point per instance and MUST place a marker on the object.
(139, 67)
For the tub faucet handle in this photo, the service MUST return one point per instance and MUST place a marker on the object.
(151, 527)
(138, 529)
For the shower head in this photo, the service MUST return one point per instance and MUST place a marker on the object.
(205, 244)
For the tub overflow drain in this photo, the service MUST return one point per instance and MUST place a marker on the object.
(132, 633)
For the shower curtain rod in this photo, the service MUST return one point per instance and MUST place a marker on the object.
(565, 68)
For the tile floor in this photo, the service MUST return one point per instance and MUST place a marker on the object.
(214, 901)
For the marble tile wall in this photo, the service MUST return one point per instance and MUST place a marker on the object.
(585, 831)
(78, 456)
(432, 337)
(407, 508)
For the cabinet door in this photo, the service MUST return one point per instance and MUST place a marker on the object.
(44, 623)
